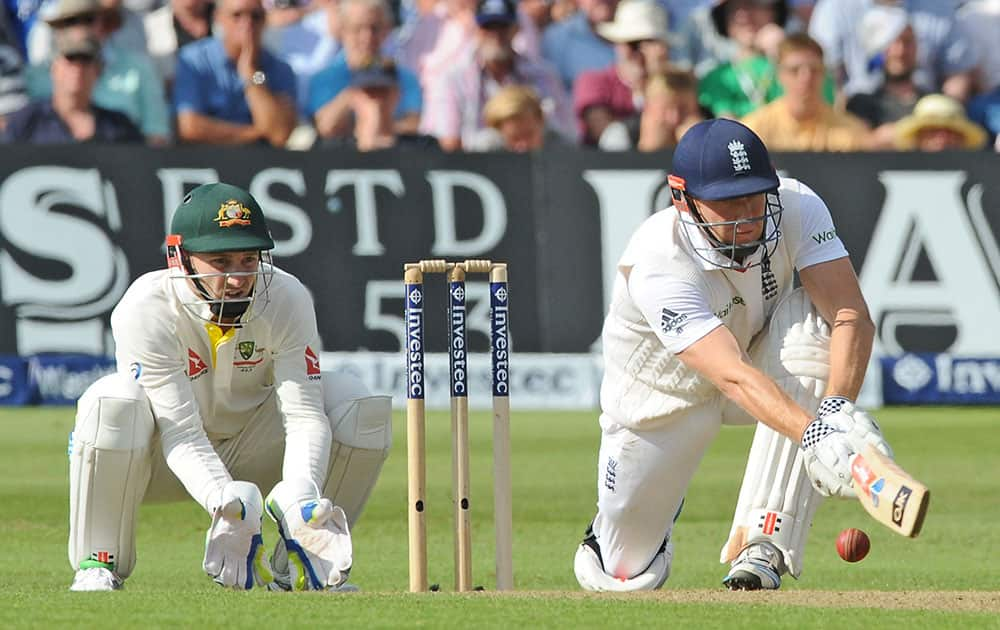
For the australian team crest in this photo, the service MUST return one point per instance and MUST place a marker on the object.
(246, 349)
(232, 212)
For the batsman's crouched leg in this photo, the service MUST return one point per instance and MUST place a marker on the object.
(362, 436)
(589, 569)
(109, 467)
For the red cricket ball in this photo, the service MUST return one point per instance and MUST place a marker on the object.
(853, 544)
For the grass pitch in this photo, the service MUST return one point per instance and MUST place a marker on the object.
(947, 577)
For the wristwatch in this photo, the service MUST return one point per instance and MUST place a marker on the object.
(258, 78)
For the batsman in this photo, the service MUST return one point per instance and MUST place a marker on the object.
(705, 328)
(218, 396)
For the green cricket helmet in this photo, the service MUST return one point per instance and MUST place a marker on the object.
(220, 218)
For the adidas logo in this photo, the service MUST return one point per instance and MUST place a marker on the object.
(672, 321)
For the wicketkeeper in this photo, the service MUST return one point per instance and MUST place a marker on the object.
(219, 395)
(704, 329)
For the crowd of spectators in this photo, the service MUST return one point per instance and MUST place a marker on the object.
(514, 75)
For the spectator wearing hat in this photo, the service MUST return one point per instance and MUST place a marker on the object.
(945, 58)
(128, 83)
(230, 89)
(515, 114)
(938, 123)
(121, 28)
(891, 43)
(749, 78)
(615, 93)
(373, 100)
(801, 120)
(175, 24)
(574, 46)
(70, 115)
(364, 25)
(453, 109)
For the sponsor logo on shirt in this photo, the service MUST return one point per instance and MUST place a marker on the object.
(672, 321)
(246, 350)
(823, 237)
(312, 365)
(135, 369)
(728, 308)
(196, 366)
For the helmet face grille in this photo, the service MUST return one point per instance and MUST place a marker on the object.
(730, 255)
(219, 310)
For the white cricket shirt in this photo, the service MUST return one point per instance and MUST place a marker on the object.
(204, 385)
(673, 297)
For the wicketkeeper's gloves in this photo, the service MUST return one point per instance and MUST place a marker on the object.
(234, 549)
(315, 534)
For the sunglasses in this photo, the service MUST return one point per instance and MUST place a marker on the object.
(88, 59)
(636, 46)
(497, 26)
(256, 15)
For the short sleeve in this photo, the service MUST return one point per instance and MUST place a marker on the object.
(283, 79)
(818, 239)
(675, 308)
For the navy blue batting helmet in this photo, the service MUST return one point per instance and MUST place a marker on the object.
(722, 159)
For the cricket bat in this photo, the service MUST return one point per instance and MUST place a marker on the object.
(889, 493)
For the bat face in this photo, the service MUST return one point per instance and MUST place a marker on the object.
(888, 493)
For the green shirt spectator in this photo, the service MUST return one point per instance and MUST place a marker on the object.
(736, 88)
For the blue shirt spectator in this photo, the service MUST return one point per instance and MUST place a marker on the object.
(207, 83)
(573, 47)
(328, 83)
(229, 89)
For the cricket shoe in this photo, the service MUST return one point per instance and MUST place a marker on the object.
(758, 567)
(96, 579)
